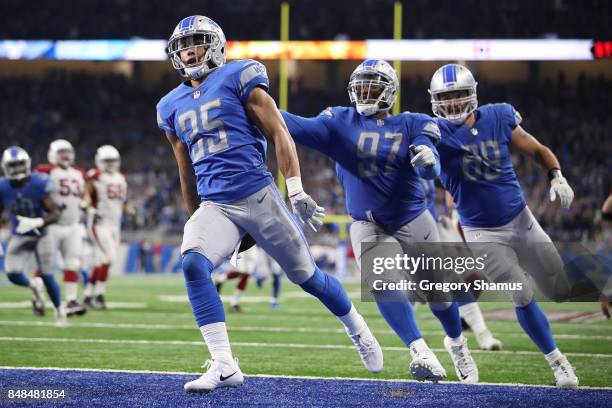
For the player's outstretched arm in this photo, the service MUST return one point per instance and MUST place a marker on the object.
(263, 112)
(186, 174)
(530, 146)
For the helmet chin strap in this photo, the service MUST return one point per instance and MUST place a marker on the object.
(367, 109)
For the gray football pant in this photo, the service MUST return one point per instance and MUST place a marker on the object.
(22, 247)
(215, 230)
(516, 248)
(406, 239)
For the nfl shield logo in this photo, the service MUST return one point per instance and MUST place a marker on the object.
(196, 94)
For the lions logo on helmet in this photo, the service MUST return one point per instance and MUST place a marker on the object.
(453, 93)
(16, 163)
(197, 46)
(61, 153)
(373, 87)
(107, 159)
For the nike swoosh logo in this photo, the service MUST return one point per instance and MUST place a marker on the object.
(259, 200)
(222, 378)
(427, 236)
(463, 376)
(530, 226)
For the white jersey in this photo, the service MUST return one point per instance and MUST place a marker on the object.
(109, 195)
(68, 187)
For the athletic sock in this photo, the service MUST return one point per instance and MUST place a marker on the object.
(70, 285)
(53, 289)
(328, 290)
(217, 341)
(399, 315)
(205, 301)
(553, 356)
(472, 314)
(276, 281)
(450, 320)
(533, 320)
(19, 279)
(353, 322)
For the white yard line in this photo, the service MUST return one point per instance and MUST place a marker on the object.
(263, 345)
(380, 380)
(147, 326)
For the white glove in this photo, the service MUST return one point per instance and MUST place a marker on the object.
(559, 187)
(424, 156)
(26, 224)
(307, 210)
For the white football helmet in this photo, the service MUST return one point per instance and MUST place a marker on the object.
(61, 153)
(207, 40)
(16, 163)
(451, 78)
(373, 87)
(108, 159)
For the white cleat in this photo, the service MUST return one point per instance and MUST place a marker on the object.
(61, 319)
(565, 376)
(425, 366)
(369, 350)
(218, 374)
(465, 366)
(486, 341)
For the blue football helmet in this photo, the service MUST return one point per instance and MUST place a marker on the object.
(16, 163)
(373, 87)
(451, 78)
(207, 40)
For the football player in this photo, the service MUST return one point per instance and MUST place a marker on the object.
(106, 190)
(477, 170)
(385, 197)
(27, 197)
(217, 122)
(469, 310)
(68, 187)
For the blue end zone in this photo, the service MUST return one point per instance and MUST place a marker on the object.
(117, 389)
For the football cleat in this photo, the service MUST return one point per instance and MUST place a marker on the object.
(465, 366)
(75, 308)
(370, 351)
(486, 341)
(235, 308)
(61, 320)
(99, 302)
(38, 300)
(425, 366)
(218, 374)
(565, 376)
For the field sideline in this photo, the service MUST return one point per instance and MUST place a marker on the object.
(149, 327)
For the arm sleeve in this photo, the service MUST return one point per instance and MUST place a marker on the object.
(252, 75)
(309, 132)
(428, 173)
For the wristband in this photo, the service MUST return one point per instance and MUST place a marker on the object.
(554, 173)
(294, 186)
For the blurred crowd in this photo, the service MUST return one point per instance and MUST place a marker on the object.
(92, 110)
(314, 19)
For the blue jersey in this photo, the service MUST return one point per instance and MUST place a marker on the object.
(25, 200)
(429, 187)
(477, 167)
(227, 150)
(372, 159)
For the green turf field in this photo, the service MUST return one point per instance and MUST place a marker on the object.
(151, 328)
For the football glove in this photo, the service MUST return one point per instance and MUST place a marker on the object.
(559, 187)
(423, 156)
(26, 224)
(307, 210)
